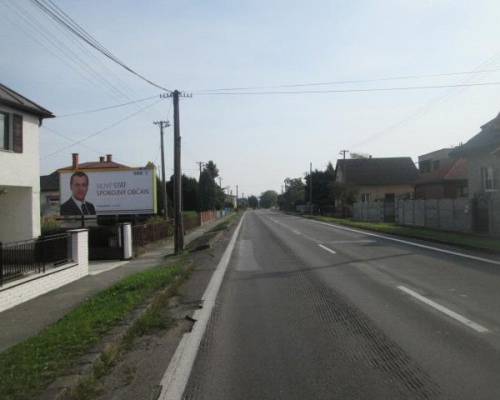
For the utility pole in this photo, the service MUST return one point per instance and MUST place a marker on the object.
(179, 228)
(200, 164)
(343, 152)
(163, 124)
(310, 187)
(220, 182)
(236, 196)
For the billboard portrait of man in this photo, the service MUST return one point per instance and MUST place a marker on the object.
(76, 204)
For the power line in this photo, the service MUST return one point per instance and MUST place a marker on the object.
(58, 15)
(353, 90)
(343, 82)
(103, 129)
(82, 68)
(421, 111)
(107, 107)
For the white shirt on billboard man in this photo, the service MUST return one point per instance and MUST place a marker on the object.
(76, 204)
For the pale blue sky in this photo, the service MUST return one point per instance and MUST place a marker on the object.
(257, 141)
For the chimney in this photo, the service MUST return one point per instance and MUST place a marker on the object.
(109, 157)
(101, 159)
(75, 160)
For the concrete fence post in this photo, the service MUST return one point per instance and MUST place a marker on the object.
(127, 240)
(80, 249)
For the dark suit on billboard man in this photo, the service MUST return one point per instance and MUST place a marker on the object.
(76, 204)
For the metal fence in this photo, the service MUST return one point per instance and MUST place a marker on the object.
(148, 233)
(18, 259)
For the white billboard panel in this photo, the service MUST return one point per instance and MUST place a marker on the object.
(104, 192)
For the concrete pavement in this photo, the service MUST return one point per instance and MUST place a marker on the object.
(310, 310)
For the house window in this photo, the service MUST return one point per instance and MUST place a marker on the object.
(11, 132)
(463, 191)
(425, 166)
(5, 139)
(365, 197)
(488, 178)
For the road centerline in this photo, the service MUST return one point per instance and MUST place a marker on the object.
(452, 314)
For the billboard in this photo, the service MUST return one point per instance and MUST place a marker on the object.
(107, 192)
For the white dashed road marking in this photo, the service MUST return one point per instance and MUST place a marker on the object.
(444, 310)
(327, 249)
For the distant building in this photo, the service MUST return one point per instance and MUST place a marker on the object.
(482, 153)
(377, 179)
(441, 176)
(20, 119)
(230, 199)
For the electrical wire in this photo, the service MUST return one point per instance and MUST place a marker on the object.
(68, 23)
(353, 90)
(114, 124)
(40, 31)
(343, 82)
(107, 107)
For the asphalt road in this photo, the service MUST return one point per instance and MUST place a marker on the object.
(312, 311)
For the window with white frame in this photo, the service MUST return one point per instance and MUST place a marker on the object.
(365, 197)
(488, 178)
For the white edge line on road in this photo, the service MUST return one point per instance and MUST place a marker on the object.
(444, 310)
(423, 246)
(327, 249)
(176, 376)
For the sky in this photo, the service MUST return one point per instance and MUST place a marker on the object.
(256, 140)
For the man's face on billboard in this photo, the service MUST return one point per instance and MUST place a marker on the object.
(79, 187)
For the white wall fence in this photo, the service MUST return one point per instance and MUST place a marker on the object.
(34, 285)
(372, 211)
(443, 214)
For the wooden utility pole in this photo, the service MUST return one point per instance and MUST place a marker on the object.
(343, 152)
(236, 196)
(200, 164)
(310, 187)
(163, 124)
(179, 228)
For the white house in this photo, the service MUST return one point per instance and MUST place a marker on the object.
(20, 119)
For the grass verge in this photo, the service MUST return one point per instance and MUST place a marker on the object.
(470, 241)
(29, 367)
(222, 226)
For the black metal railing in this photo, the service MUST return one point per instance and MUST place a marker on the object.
(19, 259)
(148, 233)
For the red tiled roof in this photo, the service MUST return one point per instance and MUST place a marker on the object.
(459, 170)
(97, 165)
(450, 170)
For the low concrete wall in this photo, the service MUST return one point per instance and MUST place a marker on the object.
(443, 214)
(22, 290)
(368, 211)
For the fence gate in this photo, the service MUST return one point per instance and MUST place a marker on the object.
(389, 208)
(481, 215)
(106, 242)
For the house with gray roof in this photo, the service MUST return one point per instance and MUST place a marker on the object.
(378, 179)
(20, 119)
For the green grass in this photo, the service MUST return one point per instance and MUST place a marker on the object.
(458, 239)
(225, 224)
(29, 367)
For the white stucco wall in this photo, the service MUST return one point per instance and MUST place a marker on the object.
(20, 171)
(17, 292)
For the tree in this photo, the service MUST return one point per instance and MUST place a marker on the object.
(253, 202)
(269, 199)
(323, 195)
(189, 193)
(211, 196)
(293, 196)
